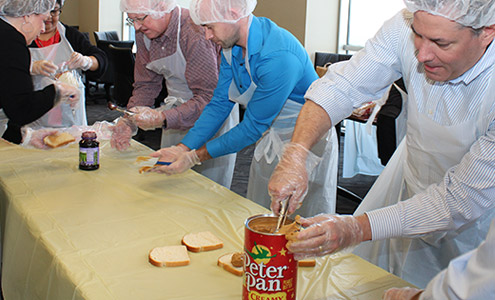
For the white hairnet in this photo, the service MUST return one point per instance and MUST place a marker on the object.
(213, 11)
(19, 8)
(154, 8)
(471, 13)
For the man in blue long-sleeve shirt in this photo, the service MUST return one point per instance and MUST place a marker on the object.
(265, 69)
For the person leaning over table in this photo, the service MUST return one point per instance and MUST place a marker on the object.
(171, 46)
(435, 198)
(62, 45)
(469, 276)
(266, 69)
(21, 21)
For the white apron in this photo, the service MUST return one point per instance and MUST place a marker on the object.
(62, 114)
(422, 159)
(321, 197)
(173, 68)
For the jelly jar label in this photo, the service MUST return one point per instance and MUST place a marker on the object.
(89, 156)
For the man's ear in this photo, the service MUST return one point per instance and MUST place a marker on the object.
(488, 34)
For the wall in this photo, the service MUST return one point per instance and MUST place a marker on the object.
(322, 23)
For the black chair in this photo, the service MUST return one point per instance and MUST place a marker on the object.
(123, 73)
(107, 79)
(106, 36)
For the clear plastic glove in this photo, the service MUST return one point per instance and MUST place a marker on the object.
(181, 159)
(291, 177)
(79, 61)
(43, 67)
(147, 118)
(34, 138)
(325, 234)
(122, 133)
(66, 93)
(406, 293)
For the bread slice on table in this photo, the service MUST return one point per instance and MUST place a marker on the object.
(202, 241)
(169, 256)
(58, 139)
(225, 261)
(309, 262)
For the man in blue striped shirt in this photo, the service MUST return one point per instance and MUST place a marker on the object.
(439, 187)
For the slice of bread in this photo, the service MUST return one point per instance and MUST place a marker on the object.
(58, 139)
(309, 262)
(225, 261)
(201, 241)
(169, 256)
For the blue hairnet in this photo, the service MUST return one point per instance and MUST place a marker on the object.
(19, 8)
(471, 13)
(213, 11)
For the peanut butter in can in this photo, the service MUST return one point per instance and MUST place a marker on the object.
(270, 271)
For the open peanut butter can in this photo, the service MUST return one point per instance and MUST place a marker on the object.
(270, 271)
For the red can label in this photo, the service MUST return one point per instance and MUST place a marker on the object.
(270, 271)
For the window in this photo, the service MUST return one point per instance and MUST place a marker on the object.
(361, 19)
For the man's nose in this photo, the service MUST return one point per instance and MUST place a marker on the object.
(424, 51)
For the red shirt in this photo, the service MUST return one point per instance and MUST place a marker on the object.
(53, 40)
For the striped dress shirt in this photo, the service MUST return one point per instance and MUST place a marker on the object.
(468, 188)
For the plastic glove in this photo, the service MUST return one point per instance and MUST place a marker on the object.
(147, 118)
(43, 67)
(66, 93)
(181, 159)
(325, 234)
(406, 293)
(79, 61)
(291, 177)
(122, 133)
(32, 137)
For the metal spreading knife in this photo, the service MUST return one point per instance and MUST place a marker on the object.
(283, 213)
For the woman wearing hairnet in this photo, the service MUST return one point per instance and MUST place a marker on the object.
(266, 69)
(21, 21)
(436, 197)
(63, 48)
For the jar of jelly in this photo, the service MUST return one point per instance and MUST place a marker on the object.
(89, 151)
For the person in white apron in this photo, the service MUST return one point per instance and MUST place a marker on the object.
(436, 196)
(60, 49)
(173, 68)
(242, 81)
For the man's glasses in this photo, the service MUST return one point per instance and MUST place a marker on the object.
(138, 20)
(55, 12)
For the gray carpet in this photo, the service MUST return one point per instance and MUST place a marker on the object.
(359, 185)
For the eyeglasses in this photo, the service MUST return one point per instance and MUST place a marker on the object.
(138, 20)
(55, 12)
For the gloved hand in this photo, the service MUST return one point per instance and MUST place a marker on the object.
(180, 157)
(325, 234)
(32, 137)
(122, 133)
(147, 118)
(43, 67)
(66, 93)
(291, 177)
(79, 61)
(406, 293)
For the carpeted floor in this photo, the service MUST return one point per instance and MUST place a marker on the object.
(359, 185)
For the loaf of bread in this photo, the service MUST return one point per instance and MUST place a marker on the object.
(201, 241)
(169, 256)
(225, 261)
(59, 139)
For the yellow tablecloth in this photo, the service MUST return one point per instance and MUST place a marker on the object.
(72, 234)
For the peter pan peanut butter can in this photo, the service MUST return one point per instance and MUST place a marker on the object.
(270, 271)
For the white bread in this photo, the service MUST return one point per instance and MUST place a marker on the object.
(169, 256)
(58, 139)
(201, 241)
(69, 78)
(225, 261)
(309, 262)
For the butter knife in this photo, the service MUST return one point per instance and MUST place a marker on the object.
(283, 213)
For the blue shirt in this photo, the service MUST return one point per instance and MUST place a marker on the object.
(281, 69)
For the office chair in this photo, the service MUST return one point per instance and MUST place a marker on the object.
(106, 36)
(123, 72)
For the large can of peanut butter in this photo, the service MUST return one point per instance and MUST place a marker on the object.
(270, 271)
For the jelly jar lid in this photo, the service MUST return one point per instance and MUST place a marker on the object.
(88, 135)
